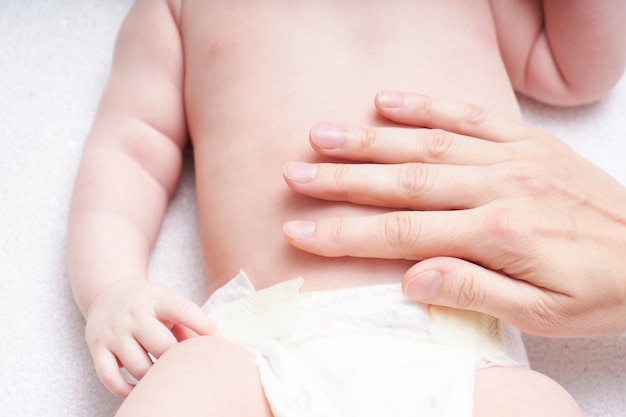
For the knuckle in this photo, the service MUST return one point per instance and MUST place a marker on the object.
(438, 144)
(424, 106)
(96, 340)
(182, 307)
(415, 179)
(367, 140)
(543, 138)
(538, 184)
(474, 115)
(544, 316)
(499, 222)
(470, 293)
(100, 336)
(134, 314)
(340, 175)
(337, 230)
(401, 231)
(528, 177)
(551, 142)
(506, 230)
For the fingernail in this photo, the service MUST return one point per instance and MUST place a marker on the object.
(328, 136)
(300, 171)
(392, 99)
(299, 229)
(424, 286)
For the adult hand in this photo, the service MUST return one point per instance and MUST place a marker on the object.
(504, 218)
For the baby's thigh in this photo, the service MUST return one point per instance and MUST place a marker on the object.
(520, 392)
(204, 375)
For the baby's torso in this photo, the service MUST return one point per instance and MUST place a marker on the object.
(259, 74)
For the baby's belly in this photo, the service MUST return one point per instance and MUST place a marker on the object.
(257, 79)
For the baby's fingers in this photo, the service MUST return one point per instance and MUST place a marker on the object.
(182, 333)
(108, 370)
(134, 358)
(155, 337)
(179, 310)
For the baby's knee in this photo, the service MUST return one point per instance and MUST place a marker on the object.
(206, 373)
(208, 352)
(521, 392)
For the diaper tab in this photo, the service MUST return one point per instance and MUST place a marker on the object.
(487, 337)
(248, 317)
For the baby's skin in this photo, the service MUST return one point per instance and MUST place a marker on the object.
(261, 77)
(246, 81)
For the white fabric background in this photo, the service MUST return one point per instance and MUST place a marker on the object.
(54, 59)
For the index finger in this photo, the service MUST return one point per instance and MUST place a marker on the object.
(393, 145)
(179, 310)
(463, 118)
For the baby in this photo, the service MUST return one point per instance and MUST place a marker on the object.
(293, 333)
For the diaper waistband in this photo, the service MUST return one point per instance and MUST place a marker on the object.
(285, 314)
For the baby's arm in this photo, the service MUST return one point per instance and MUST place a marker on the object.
(130, 166)
(563, 52)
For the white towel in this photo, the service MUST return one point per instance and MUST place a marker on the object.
(54, 59)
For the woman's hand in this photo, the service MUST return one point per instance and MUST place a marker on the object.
(505, 219)
(133, 318)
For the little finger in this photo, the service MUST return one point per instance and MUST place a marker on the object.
(108, 371)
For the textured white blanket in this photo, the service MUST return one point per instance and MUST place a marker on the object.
(54, 59)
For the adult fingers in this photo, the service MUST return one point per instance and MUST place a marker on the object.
(400, 145)
(463, 118)
(396, 235)
(460, 284)
(416, 186)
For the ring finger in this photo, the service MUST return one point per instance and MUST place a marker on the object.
(155, 337)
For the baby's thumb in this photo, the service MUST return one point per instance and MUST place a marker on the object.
(460, 284)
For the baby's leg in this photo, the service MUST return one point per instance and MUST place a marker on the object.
(202, 376)
(520, 392)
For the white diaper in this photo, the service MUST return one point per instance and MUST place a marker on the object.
(366, 351)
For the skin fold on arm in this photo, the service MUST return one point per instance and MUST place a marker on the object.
(130, 166)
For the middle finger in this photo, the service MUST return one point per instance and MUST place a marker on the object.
(155, 337)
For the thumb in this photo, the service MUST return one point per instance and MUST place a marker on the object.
(464, 285)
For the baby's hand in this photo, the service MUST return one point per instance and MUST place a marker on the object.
(133, 318)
